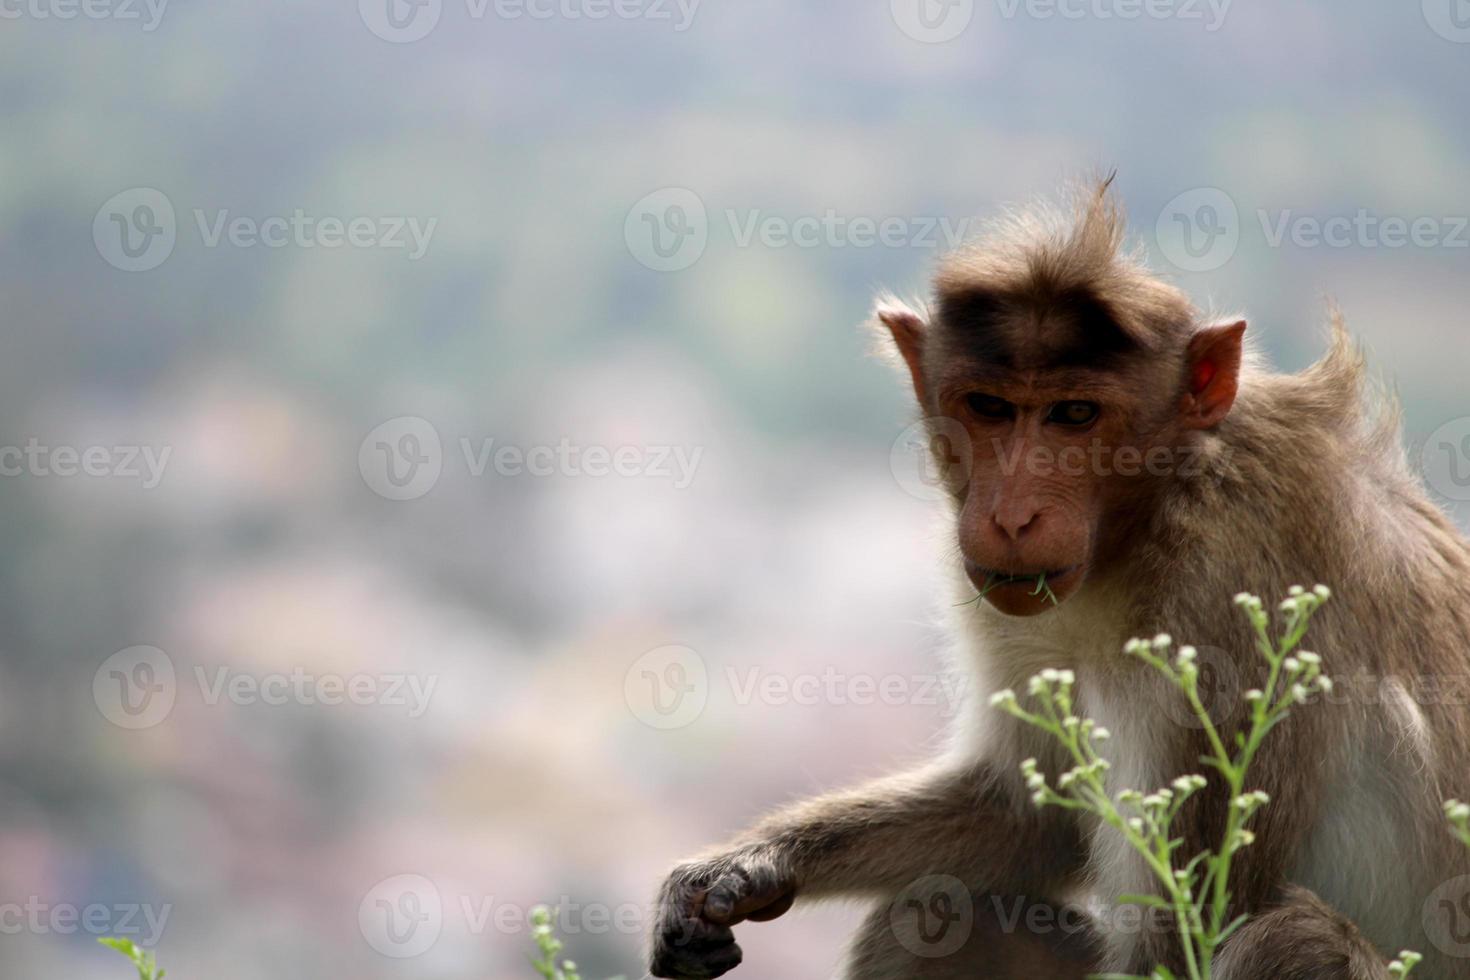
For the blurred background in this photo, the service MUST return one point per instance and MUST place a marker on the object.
(442, 470)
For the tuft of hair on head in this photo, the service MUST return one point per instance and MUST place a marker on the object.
(1049, 253)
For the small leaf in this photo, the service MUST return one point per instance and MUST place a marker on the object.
(123, 946)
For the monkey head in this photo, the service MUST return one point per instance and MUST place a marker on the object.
(1062, 383)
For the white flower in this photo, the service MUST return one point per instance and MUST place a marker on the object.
(1005, 697)
(1163, 640)
(1322, 592)
(1101, 734)
(1186, 654)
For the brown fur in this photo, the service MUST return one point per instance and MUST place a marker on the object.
(1301, 481)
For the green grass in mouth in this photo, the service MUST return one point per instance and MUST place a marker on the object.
(994, 581)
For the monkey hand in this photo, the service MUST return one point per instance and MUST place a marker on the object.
(699, 903)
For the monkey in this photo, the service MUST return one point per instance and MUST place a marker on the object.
(1048, 338)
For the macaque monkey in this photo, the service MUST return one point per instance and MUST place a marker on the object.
(1196, 473)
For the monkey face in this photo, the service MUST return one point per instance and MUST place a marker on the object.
(1059, 425)
(1032, 495)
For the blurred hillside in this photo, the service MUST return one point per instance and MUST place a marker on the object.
(323, 567)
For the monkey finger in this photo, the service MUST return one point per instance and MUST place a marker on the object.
(776, 908)
(699, 961)
(721, 898)
(689, 931)
(737, 897)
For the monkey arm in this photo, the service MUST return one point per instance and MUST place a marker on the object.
(966, 822)
(973, 822)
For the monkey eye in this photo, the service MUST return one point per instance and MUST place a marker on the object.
(1073, 413)
(990, 407)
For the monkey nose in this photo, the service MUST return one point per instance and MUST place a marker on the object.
(1016, 522)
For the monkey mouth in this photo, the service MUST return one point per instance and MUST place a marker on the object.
(1034, 589)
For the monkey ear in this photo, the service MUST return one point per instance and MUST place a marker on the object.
(1213, 378)
(907, 328)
